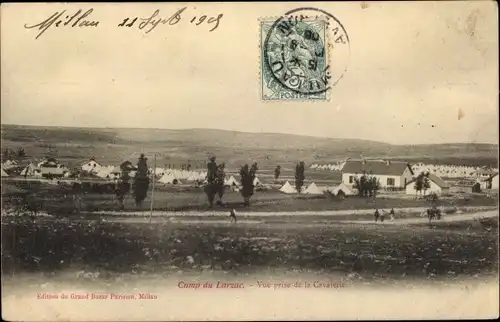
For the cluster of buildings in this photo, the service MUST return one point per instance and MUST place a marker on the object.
(47, 168)
(441, 170)
(391, 175)
(455, 171)
(397, 175)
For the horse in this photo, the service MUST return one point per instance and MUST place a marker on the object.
(433, 213)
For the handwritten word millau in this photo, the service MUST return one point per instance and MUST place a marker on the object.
(57, 18)
(81, 19)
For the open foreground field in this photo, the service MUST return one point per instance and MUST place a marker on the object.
(123, 264)
(375, 253)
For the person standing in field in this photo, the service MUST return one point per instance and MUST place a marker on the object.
(232, 215)
(392, 214)
(377, 214)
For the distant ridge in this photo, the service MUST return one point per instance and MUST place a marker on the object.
(211, 130)
(182, 145)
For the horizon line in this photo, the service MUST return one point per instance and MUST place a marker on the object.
(247, 132)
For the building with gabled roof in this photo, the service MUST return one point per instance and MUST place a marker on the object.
(437, 186)
(391, 174)
(466, 186)
(491, 182)
(91, 166)
(50, 168)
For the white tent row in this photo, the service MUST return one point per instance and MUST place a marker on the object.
(313, 189)
(332, 167)
(169, 179)
(113, 171)
(201, 175)
(453, 171)
(185, 175)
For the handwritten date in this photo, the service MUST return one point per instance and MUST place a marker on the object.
(81, 19)
(150, 23)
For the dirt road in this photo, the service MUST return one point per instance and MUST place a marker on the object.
(255, 221)
(444, 218)
(276, 213)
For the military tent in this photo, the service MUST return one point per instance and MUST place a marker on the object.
(29, 171)
(342, 189)
(313, 189)
(9, 164)
(192, 177)
(169, 179)
(231, 182)
(287, 188)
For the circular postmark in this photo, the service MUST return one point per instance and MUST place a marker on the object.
(306, 51)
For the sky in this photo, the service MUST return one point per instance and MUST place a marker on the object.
(413, 68)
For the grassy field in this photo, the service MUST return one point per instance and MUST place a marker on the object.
(371, 251)
(61, 201)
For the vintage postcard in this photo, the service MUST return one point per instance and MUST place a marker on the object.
(192, 161)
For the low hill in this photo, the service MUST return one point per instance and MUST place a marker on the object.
(113, 145)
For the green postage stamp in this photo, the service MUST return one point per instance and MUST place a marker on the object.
(296, 55)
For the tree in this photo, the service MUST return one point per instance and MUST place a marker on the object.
(360, 185)
(126, 166)
(422, 183)
(122, 187)
(426, 183)
(247, 179)
(20, 153)
(419, 184)
(8, 154)
(219, 180)
(367, 185)
(299, 176)
(373, 186)
(141, 181)
(211, 170)
(212, 187)
(277, 172)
